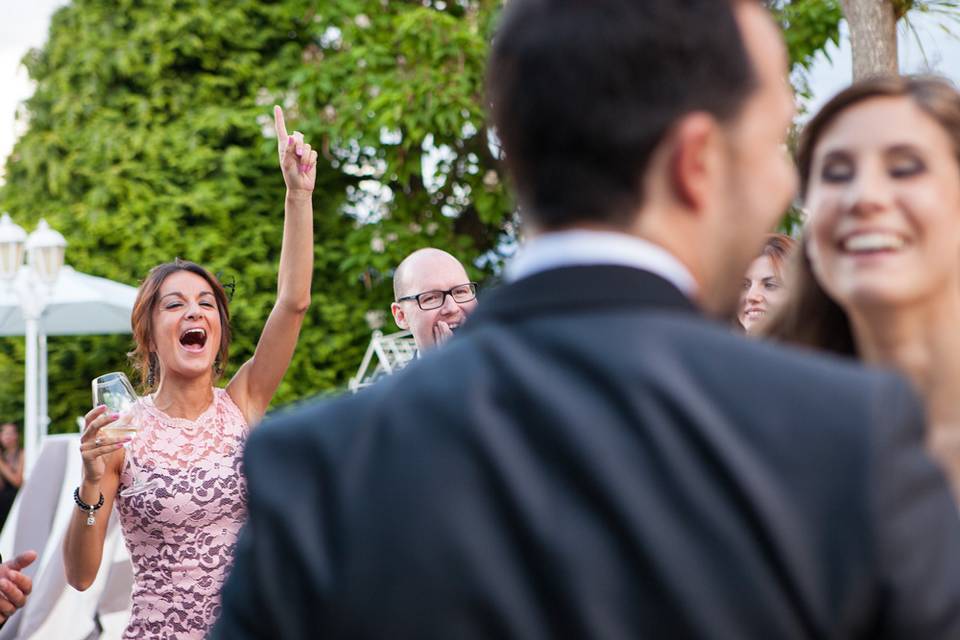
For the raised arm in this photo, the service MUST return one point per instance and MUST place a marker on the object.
(253, 386)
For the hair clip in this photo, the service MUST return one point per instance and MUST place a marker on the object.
(229, 287)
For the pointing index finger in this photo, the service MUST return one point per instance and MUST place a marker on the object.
(279, 123)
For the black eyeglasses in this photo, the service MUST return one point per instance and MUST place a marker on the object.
(434, 299)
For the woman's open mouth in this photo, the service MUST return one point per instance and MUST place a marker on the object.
(193, 339)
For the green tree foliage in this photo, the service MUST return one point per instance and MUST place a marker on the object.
(149, 138)
(808, 27)
(398, 87)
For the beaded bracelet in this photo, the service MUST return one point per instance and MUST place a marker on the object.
(89, 508)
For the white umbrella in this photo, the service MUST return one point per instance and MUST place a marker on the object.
(77, 304)
(73, 304)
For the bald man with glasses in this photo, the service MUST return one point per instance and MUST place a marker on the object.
(433, 296)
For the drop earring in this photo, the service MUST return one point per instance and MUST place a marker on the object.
(152, 370)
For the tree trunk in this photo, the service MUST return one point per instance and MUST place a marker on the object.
(873, 37)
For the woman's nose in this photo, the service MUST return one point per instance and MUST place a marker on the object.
(870, 192)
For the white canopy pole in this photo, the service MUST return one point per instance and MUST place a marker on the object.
(42, 410)
(31, 440)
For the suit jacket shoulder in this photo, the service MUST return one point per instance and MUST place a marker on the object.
(577, 465)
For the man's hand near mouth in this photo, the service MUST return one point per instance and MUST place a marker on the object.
(442, 332)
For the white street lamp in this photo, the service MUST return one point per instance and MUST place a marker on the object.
(44, 249)
(12, 241)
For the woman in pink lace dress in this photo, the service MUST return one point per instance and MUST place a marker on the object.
(181, 533)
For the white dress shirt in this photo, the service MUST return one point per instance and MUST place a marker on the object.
(581, 247)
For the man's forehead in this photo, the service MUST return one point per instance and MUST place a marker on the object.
(768, 55)
(763, 41)
(439, 274)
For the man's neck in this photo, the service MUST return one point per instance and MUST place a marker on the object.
(583, 246)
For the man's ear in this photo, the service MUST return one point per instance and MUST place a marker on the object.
(399, 316)
(695, 160)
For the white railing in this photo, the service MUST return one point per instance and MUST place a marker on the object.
(386, 354)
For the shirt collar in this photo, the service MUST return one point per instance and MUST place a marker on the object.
(581, 247)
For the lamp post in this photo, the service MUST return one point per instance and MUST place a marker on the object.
(32, 282)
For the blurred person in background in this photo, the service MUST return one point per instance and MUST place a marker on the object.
(11, 468)
(879, 278)
(764, 289)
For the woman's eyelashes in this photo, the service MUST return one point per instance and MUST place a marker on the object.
(769, 285)
(175, 305)
(907, 167)
(900, 165)
(837, 170)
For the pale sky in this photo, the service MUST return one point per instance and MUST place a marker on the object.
(24, 24)
(828, 76)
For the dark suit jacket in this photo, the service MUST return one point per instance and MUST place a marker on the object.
(592, 459)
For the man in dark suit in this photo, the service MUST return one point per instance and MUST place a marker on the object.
(591, 457)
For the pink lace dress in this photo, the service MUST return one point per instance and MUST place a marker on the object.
(181, 535)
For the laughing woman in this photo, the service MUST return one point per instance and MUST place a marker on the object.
(181, 535)
(763, 290)
(879, 278)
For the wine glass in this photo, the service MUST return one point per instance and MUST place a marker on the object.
(115, 391)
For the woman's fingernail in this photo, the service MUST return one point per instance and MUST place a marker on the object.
(290, 140)
(114, 415)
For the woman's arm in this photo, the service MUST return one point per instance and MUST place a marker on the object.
(253, 386)
(13, 474)
(83, 544)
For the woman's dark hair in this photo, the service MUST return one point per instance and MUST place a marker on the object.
(810, 317)
(583, 91)
(141, 319)
(778, 247)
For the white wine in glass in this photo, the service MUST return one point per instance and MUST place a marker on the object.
(115, 391)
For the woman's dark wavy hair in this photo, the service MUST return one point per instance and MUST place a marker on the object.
(810, 317)
(141, 319)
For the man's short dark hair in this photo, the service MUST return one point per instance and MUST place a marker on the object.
(583, 91)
